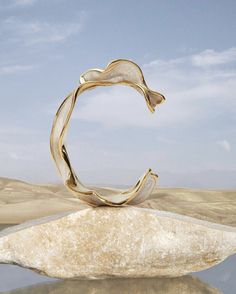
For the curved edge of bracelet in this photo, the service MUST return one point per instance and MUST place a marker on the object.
(153, 98)
(92, 78)
(134, 195)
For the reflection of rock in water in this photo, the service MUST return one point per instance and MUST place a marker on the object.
(183, 285)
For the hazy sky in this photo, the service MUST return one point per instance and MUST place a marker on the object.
(187, 50)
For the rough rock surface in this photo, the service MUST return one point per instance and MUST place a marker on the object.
(182, 285)
(117, 242)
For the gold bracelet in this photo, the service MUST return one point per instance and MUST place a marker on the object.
(119, 71)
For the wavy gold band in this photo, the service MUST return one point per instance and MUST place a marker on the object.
(119, 71)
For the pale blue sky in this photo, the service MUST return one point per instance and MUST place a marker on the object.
(187, 51)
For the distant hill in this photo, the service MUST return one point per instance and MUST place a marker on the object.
(21, 201)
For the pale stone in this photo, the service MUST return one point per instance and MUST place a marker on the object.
(182, 285)
(117, 242)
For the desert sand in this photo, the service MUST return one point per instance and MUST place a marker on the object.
(21, 201)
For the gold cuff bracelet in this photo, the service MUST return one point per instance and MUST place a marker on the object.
(121, 71)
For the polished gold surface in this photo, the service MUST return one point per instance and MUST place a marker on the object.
(123, 72)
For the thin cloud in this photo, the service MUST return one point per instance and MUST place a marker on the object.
(13, 69)
(211, 57)
(13, 130)
(225, 145)
(11, 4)
(16, 156)
(23, 2)
(30, 33)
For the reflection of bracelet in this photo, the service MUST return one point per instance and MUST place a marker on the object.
(123, 72)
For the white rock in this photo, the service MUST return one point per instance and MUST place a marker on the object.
(117, 242)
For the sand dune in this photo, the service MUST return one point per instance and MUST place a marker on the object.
(21, 201)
